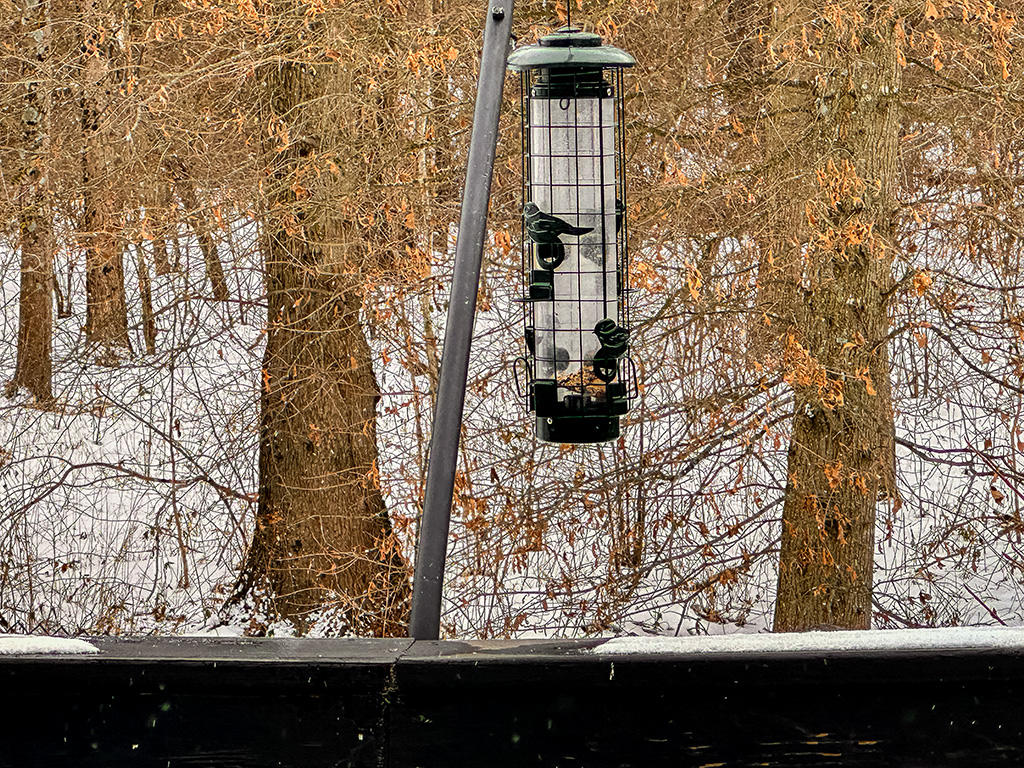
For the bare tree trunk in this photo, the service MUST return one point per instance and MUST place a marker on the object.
(63, 302)
(841, 452)
(35, 322)
(201, 225)
(155, 193)
(107, 314)
(323, 539)
(146, 297)
(163, 221)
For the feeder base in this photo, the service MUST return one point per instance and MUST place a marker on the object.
(577, 429)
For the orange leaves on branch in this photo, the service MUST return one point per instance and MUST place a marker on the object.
(216, 21)
(841, 183)
(145, 233)
(315, 8)
(287, 222)
(863, 374)
(483, 298)
(503, 241)
(726, 577)
(802, 370)
(247, 10)
(1001, 24)
(860, 483)
(645, 277)
(900, 42)
(670, 171)
(846, 21)
(279, 129)
(607, 28)
(997, 496)
(373, 475)
(922, 282)
(937, 49)
(857, 232)
(434, 57)
(976, 16)
(694, 280)
(858, 342)
(417, 266)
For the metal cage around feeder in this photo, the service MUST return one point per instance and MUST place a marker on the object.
(579, 377)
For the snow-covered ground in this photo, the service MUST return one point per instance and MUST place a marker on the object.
(129, 506)
(126, 507)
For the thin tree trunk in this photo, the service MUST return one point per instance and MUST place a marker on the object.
(323, 540)
(63, 302)
(163, 221)
(106, 314)
(146, 297)
(33, 370)
(204, 234)
(156, 194)
(841, 452)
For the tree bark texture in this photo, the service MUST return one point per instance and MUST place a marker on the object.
(34, 368)
(106, 313)
(845, 93)
(323, 540)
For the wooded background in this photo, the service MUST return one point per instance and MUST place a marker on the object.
(227, 236)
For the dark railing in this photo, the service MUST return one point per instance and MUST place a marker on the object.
(312, 703)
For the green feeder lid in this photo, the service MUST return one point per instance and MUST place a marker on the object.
(569, 47)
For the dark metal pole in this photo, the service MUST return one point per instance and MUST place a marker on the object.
(425, 623)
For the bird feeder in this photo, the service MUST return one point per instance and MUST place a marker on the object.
(579, 379)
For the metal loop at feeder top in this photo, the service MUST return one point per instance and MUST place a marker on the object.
(569, 47)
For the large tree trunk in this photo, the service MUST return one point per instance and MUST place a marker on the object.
(323, 540)
(35, 323)
(106, 313)
(841, 453)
